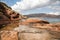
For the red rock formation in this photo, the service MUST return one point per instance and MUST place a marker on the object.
(9, 35)
(8, 12)
(7, 15)
(12, 14)
(3, 20)
(41, 24)
(34, 21)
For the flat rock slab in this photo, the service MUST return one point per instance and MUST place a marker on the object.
(8, 35)
(35, 36)
(29, 33)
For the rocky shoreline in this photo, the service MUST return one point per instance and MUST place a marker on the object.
(19, 27)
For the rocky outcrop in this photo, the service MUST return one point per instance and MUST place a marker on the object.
(7, 15)
(34, 21)
(8, 35)
(3, 20)
(29, 33)
(7, 11)
(32, 33)
(37, 23)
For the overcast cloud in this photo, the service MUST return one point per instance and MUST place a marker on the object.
(32, 4)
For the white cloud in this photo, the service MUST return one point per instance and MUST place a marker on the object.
(54, 13)
(55, 6)
(31, 4)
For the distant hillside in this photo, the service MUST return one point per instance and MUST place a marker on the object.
(43, 15)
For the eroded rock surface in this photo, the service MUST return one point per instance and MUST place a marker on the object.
(30, 33)
(8, 16)
(34, 21)
(8, 35)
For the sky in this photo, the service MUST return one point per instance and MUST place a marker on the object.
(26, 7)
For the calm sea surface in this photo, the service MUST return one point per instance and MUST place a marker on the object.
(52, 20)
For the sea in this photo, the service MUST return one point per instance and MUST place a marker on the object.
(51, 20)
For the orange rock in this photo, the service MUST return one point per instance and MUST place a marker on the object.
(7, 11)
(33, 21)
(9, 35)
(36, 20)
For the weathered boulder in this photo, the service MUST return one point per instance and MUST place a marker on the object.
(51, 27)
(8, 35)
(30, 33)
(42, 24)
(7, 11)
(3, 20)
(7, 15)
(34, 21)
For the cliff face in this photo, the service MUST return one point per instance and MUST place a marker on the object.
(3, 20)
(7, 15)
(8, 12)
